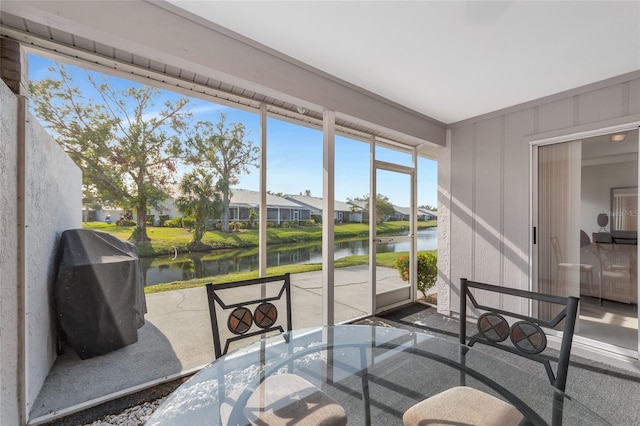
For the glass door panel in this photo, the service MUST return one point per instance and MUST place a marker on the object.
(586, 235)
(394, 238)
(558, 222)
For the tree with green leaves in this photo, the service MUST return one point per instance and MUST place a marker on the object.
(126, 148)
(200, 198)
(223, 149)
(384, 208)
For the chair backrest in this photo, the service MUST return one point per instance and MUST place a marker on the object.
(557, 251)
(616, 257)
(526, 335)
(248, 315)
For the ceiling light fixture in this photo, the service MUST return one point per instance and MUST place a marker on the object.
(618, 138)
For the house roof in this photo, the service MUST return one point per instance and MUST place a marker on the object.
(425, 211)
(407, 210)
(247, 198)
(316, 203)
(359, 203)
(402, 210)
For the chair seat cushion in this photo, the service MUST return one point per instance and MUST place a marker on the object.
(582, 266)
(462, 405)
(288, 399)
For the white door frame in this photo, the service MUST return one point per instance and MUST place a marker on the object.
(533, 225)
(374, 240)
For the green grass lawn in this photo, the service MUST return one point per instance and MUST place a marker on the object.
(167, 240)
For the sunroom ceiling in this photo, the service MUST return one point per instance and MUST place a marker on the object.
(449, 60)
(52, 42)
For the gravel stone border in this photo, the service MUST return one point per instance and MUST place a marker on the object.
(134, 416)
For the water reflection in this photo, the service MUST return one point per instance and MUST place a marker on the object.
(220, 262)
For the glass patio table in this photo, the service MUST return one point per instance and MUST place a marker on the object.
(375, 373)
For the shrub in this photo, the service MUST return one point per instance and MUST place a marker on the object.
(125, 222)
(162, 219)
(188, 222)
(150, 219)
(427, 270)
(174, 222)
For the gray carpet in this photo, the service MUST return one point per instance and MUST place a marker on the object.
(612, 392)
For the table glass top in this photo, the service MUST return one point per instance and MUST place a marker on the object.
(393, 367)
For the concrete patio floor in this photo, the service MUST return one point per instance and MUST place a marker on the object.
(176, 341)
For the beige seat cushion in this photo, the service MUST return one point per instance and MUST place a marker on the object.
(460, 406)
(287, 399)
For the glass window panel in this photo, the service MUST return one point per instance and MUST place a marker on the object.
(294, 184)
(394, 155)
(351, 274)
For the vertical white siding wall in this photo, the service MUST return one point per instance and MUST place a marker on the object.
(487, 166)
(9, 323)
(53, 204)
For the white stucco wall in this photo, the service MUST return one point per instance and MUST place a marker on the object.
(9, 407)
(484, 183)
(53, 205)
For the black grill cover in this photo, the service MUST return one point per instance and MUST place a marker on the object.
(99, 292)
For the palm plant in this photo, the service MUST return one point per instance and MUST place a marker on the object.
(200, 199)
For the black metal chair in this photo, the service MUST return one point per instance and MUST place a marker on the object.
(280, 399)
(243, 322)
(465, 405)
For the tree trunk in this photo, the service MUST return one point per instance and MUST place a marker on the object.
(225, 213)
(198, 232)
(140, 233)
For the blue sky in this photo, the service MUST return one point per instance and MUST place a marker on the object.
(294, 153)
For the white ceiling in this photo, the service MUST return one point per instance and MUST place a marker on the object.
(449, 60)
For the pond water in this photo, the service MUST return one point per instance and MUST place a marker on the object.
(219, 262)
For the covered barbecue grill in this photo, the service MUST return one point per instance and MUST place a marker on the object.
(99, 292)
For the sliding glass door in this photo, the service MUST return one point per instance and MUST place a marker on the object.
(585, 222)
